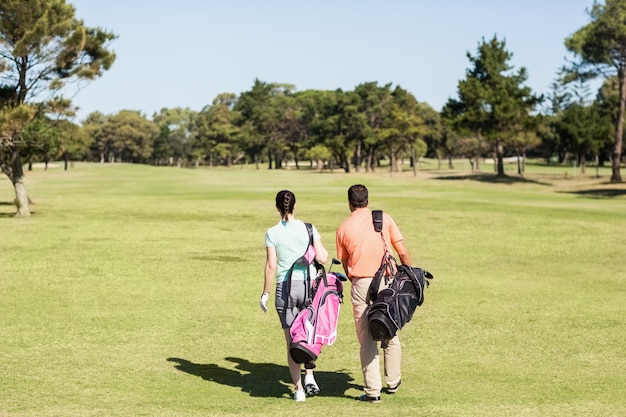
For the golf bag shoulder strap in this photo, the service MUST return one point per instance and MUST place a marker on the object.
(302, 260)
(386, 262)
(318, 266)
(377, 219)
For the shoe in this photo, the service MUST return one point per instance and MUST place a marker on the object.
(299, 396)
(311, 389)
(393, 390)
(366, 398)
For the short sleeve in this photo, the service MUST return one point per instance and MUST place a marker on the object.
(316, 235)
(394, 232)
(268, 240)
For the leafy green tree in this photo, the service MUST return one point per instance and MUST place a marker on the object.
(492, 100)
(341, 126)
(161, 151)
(215, 131)
(100, 146)
(345, 129)
(447, 146)
(174, 143)
(608, 100)
(43, 47)
(325, 116)
(308, 113)
(557, 99)
(526, 140)
(374, 106)
(40, 141)
(74, 143)
(45, 140)
(251, 141)
(259, 107)
(320, 154)
(430, 131)
(130, 136)
(402, 129)
(294, 127)
(287, 133)
(581, 131)
(574, 124)
(601, 48)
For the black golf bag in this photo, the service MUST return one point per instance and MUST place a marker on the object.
(393, 307)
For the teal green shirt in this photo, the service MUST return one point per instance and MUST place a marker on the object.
(290, 239)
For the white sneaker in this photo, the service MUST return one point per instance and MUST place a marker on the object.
(299, 396)
(311, 389)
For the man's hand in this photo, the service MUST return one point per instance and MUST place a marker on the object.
(263, 302)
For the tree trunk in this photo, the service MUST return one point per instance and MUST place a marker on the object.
(345, 162)
(21, 196)
(583, 164)
(616, 176)
(500, 158)
(358, 158)
(476, 164)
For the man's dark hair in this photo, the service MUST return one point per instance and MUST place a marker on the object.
(357, 196)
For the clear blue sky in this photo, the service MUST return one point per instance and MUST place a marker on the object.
(184, 53)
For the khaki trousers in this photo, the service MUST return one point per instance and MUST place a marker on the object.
(370, 363)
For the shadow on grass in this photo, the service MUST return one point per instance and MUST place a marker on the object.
(599, 192)
(7, 204)
(263, 379)
(492, 179)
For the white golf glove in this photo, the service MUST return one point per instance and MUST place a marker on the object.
(263, 302)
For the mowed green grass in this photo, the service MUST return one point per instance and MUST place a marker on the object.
(133, 291)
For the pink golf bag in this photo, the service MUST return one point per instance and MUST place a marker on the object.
(316, 325)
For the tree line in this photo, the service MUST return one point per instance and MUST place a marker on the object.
(43, 46)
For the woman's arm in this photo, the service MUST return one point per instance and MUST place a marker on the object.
(321, 254)
(270, 268)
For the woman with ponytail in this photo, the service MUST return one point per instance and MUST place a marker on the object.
(284, 243)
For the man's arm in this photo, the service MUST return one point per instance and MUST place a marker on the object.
(403, 253)
(342, 254)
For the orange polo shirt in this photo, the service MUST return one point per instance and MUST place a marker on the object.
(361, 245)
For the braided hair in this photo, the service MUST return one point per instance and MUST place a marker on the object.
(285, 201)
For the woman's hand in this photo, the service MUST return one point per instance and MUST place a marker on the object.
(263, 302)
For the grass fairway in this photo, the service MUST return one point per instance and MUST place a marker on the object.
(133, 291)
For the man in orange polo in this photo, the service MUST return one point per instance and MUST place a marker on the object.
(361, 250)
